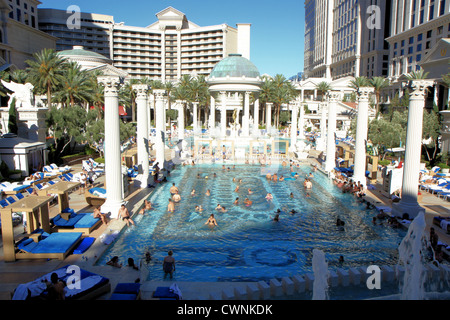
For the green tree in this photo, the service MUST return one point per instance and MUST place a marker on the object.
(359, 82)
(323, 87)
(283, 93)
(12, 120)
(379, 84)
(431, 132)
(76, 86)
(45, 72)
(265, 94)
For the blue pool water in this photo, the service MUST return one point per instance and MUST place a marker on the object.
(248, 245)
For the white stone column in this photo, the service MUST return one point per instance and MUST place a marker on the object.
(195, 115)
(246, 119)
(160, 127)
(321, 142)
(269, 116)
(301, 122)
(359, 171)
(142, 134)
(113, 166)
(181, 125)
(294, 108)
(333, 97)
(256, 116)
(408, 203)
(212, 115)
(223, 114)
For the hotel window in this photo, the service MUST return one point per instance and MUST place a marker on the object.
(411, 40)
(419, 47)
(418, 57)
(431, 12)
(441, 7)
(419, 37)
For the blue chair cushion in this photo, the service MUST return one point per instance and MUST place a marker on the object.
(164, 292)
(127, 288)
(123, 296)
(84, 245)
(86, 220)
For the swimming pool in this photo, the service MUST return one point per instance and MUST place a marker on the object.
(248, 245)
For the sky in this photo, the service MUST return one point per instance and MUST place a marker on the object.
(277, 31)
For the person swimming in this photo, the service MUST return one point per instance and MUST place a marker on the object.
(269, 197)
(211, 221)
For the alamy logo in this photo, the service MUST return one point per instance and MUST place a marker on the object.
(374, 280)
(374, 20)
(73, 281)
(74, 20)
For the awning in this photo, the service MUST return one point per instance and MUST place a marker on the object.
(122, 110)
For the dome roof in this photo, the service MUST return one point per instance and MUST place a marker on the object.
(78, 52)
(235, 66)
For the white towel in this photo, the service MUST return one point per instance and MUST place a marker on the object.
(174, 289)
(36, 288)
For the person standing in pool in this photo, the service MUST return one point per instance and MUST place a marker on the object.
(171, 206)
(173, 189)
(211, 221)
(169, 265)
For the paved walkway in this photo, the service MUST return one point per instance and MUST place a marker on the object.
(14, 273)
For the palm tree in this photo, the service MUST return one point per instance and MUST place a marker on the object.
(46, 71)
(130, 95)
(19, 76)
(323, 87)
(417, 75)
(76, 85)
(182, 93)
(283, 92)
(378, 83)
(169, 86)
(359, 82)
(265, 94)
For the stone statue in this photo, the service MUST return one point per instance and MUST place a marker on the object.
(23, 93)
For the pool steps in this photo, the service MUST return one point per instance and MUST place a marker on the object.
(288, 286)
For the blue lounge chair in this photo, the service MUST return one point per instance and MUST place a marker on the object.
(4, 203)
(126, 291)
(10, 199)
(20, 196)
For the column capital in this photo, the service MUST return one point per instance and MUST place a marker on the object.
(111, 84)
(364, 92)
(333, 96)
(419, 88)
(141, 90)
(159, 94)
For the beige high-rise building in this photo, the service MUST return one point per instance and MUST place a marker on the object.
(165, 50)
(417, 26)
(342, 38)
(20, 37)
(90, 30)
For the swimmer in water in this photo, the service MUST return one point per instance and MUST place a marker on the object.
(269, 197)
(248, 202)
(236, 202)
(208, 192)
(250, 191)
(211, 221)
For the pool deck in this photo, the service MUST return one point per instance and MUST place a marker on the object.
(22, 271)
